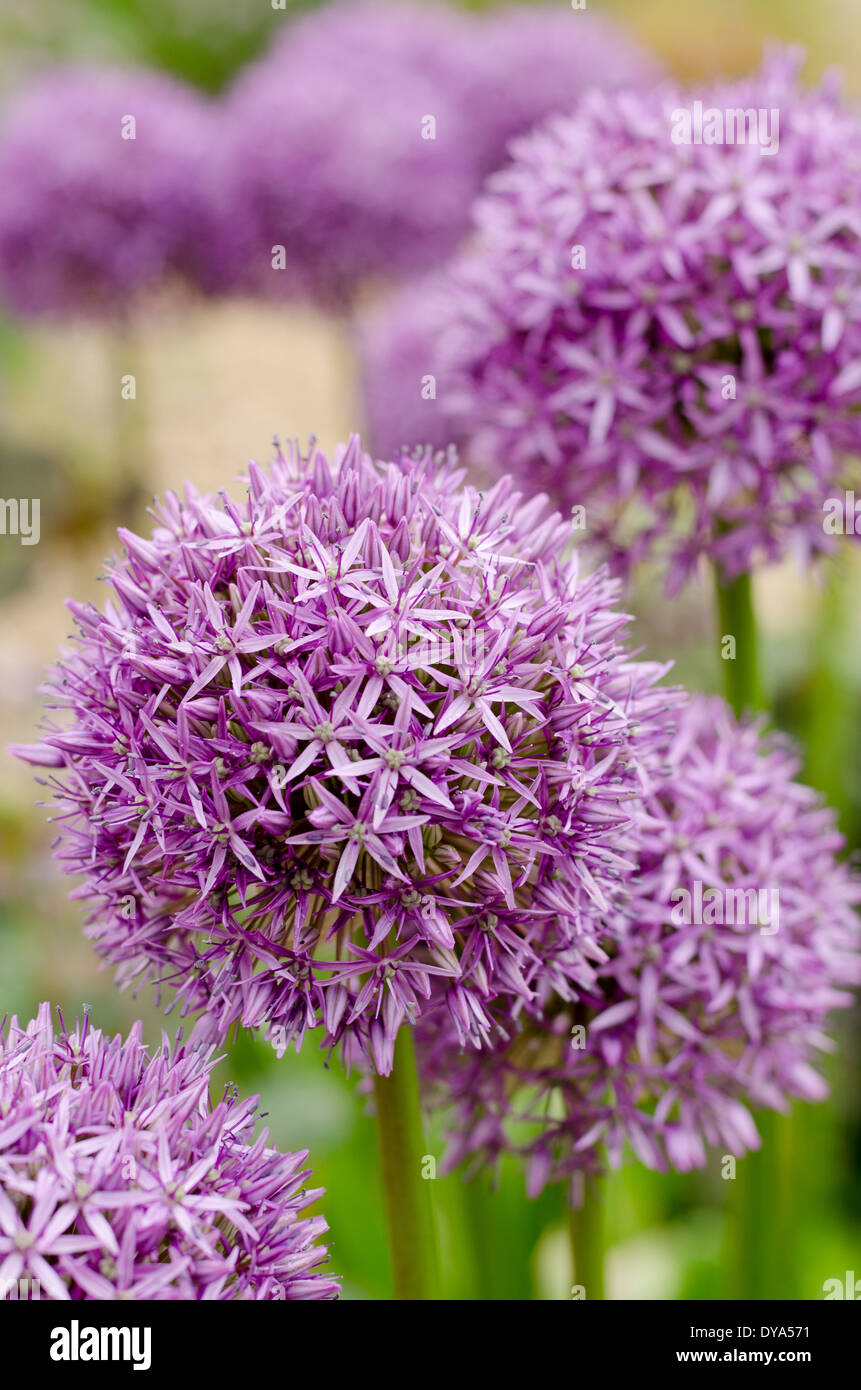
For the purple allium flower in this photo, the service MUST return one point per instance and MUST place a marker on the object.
(530, 61)
(120, 1179)
(364, 730)
(333, 156)
(404, 393)
(331, 150)
(739, 936)
(89, 217)
(670, 333)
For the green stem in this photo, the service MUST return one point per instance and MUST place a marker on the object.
(764, 1263)
(587, 1246)
(762, 1257)
(832, 746)
(830, 742)
(479, 1217)
(412, 1239)
(741, 661)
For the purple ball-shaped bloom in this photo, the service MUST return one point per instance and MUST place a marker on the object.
(669, 333)
(739, 936)
(365, 730)
(358, 143)
(349, 148)
(121, 1179)
(104, 189)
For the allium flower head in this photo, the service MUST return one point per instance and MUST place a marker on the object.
(95, 210)
(332, 154)
(120, 1179)
(739, 936)
(670, 333)
(360, 140)
(366, 729)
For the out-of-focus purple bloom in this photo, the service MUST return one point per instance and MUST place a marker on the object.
(365, 730)
(531, 61)
(89, 217)
(120, 1179)
(739, 936)
(348, 146)
(670, 333)
(360, 140)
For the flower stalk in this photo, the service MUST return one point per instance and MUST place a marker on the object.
(412, 1238)
(585, 1230)
(737, 620)
(761, 1239)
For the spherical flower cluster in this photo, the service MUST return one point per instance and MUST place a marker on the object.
(104, 191)
(739, 936)
(669, 333)
(365, 730)
(347, 147)
(119, 1178)
(358, 143)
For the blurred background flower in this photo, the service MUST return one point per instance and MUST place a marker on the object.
(695, 382)
(91, 224)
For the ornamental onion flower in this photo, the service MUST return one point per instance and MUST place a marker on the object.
(739, 937)
(365, 730)
(530, 61)
(104, 190)
(358, 142)
(121, 1179)
(346, 146)
(669, 333)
